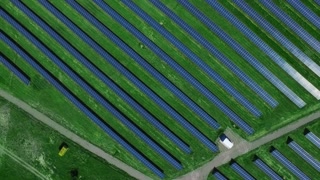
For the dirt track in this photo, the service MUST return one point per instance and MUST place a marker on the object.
(72, 136)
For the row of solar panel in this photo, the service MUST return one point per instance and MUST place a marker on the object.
(306, 12)
(192, 56)
(268, 50)
(222, 58)
(276, 34)
(176, 67)
(15, 70)
(300, 31)
(245, 54)
(92, 92)
(281, 158)
(50, 78)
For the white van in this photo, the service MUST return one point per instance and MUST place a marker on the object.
(224, 140)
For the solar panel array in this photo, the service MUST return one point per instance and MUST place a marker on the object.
(141, 61)
(242, 172)
(142, 86)
(81, 106)
(227, 87)
(313, 138)
(104, 78)
(315, 44)
(15, 70)
(268, 50)
(266, 169)
(234, 117)
(245, 54)
(305, 155)
(205, 43)
(285, 162)
(218, 175)
(96, 95)
(276, 34)
(317, 1)
(306, 12)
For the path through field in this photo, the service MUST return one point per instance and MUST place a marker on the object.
(72, 136)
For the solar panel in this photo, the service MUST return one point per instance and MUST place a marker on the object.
(93, 93)
(178, 44)
(300, 31)
(236, 119)
(305, 155)
(140, 60)
(285, 162)
(218, 175)
(83, 108)
(286, 43)
(244, 53)
(205, 43)
(306, 12)
(268, 50)
(266, 169)
(242, 172)
(15, 70)
(313, 138)
(317, 1)
(194, 131)
(102, 76)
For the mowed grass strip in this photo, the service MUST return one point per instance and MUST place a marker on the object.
(281, 145)
(126, 109)
(274, 44)
(128, 135)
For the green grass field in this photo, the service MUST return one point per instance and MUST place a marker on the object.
(38, 145)
(51, 102)
(280, 144)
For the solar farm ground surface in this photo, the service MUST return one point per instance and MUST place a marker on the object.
(263, 152)
(52, 103)
(38, 145)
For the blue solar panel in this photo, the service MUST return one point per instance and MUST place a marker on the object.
(300, 31)
(140, 60)
(245, 78)
(305, 155)
(227, 87)
(285, 162)
(317, 1)
(278, 36)
(268, 50)
(102, 76)
(142, 86)
(242, 172)
(236, 119)
(94, 94)
(15, 70)
(306, 12)
(218, 175)
(313, 138)
(266, 169)
(244, 53)
(82, 107)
